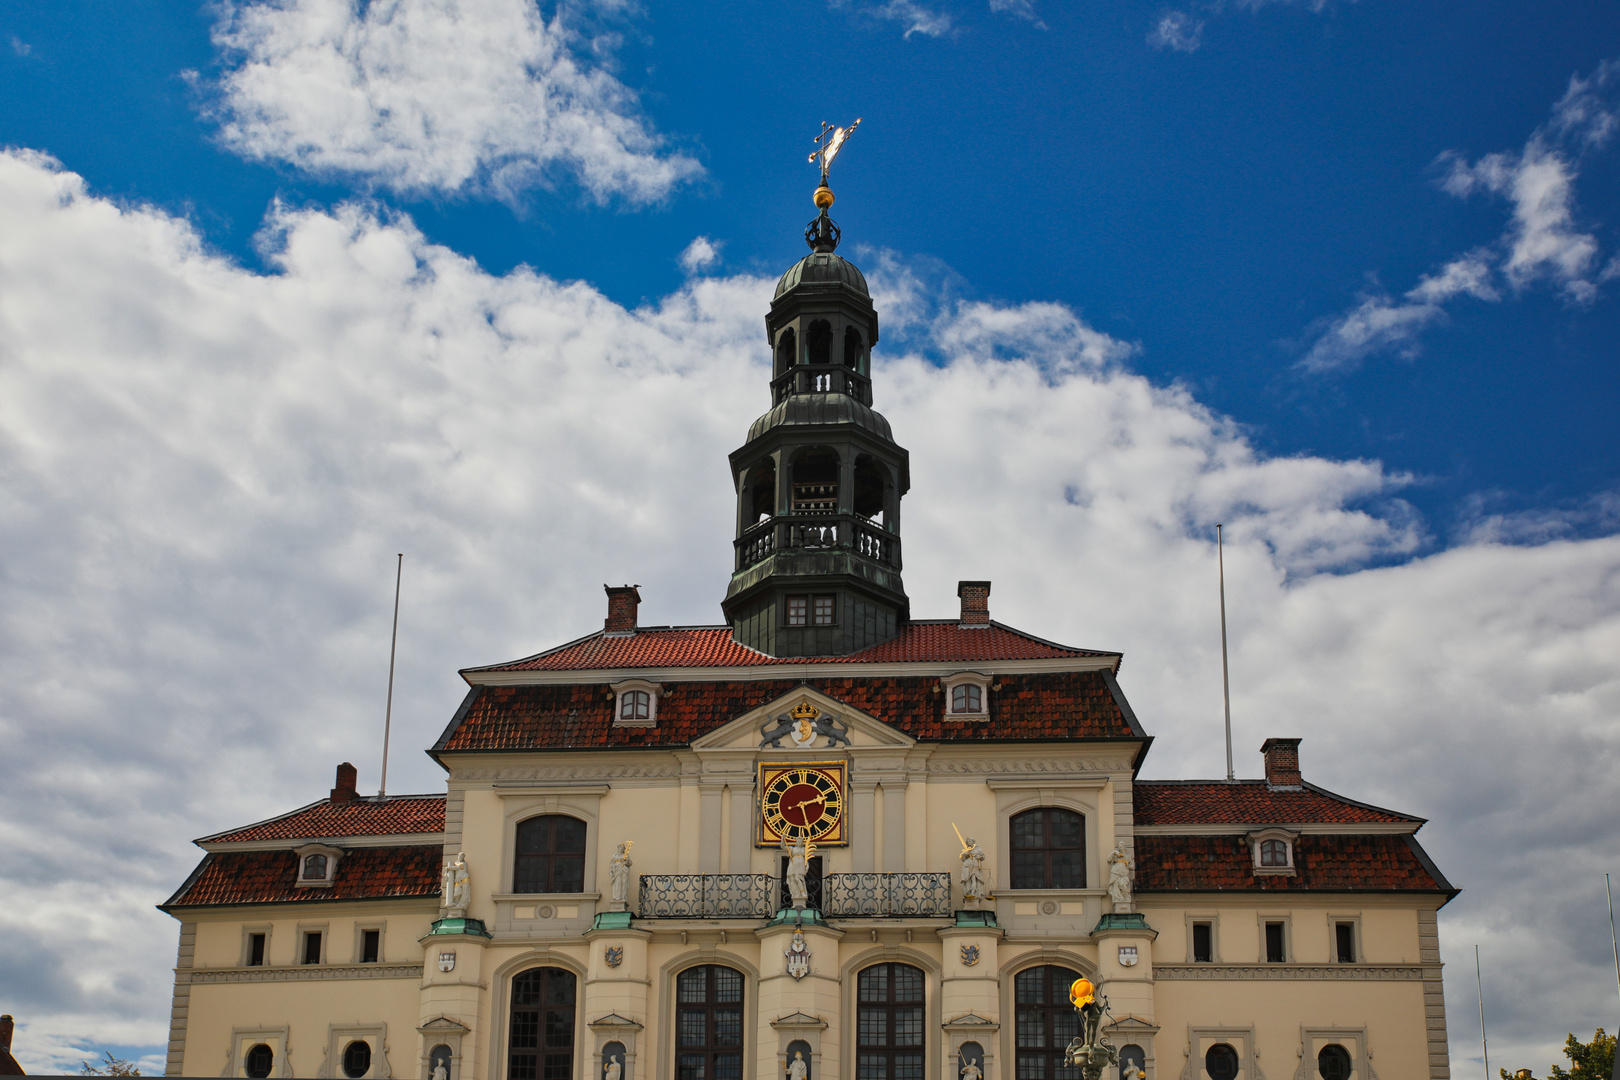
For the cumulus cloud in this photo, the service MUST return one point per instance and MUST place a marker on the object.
(916, 18)
(1019, 9)
(1542, 243)
(1178, 31)
(454, 97)
(205, 473)
(700, 254)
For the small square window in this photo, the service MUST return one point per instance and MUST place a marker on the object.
(255, 950)
(1344, 935)
(312, 947)
(1203, 949)
(370, 946)
(967, 698)
(1273, 853)
(797, 610)
(1276, 946)
(824, 611)
(314, 867)
(634, 704)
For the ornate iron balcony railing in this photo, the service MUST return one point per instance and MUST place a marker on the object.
(707, 896)
(809, 532)
(924, 895)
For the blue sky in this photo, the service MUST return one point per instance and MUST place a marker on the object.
(288, 288)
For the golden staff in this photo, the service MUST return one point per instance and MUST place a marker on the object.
(958, 832)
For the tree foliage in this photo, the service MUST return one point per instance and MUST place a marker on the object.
(1588, 1061)
(115, 1066)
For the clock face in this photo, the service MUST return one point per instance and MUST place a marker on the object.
(802, 802)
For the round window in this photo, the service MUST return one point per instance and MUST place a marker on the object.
(1221, 1063)
(356, 1059)
(1334, 1062)
(258, 1061)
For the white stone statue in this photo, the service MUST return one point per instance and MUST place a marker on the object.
(970, 1071)
(455, 887)
(797, 1069)
(973, 890)
(1119, 879)
(611, 1072)
(798, 869)
(439, 1071)
(619, 876)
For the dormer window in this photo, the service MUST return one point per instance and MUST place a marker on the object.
(1273, 851)
(635, 703)
(317, 865)
(967, 696)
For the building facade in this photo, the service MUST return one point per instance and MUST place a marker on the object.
(822, 840)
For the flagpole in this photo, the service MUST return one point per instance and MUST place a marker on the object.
(1480, 983)
(1614, 1072)
(1226, 679)
(393, 647)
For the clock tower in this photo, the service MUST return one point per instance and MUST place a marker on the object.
(820, 477)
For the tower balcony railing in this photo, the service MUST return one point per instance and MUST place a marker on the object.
(821, 379)
(759, 896)
(813, 532)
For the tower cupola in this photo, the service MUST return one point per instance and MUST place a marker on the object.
(820, 479)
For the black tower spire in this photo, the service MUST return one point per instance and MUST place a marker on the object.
(820, 478)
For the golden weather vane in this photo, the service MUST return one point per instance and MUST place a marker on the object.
(828, 143)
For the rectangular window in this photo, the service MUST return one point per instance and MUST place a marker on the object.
(370, 946)
(312, 947)
(1203, 943)
(1345, 938)
(824, 611)
(797, 609)
(255, 956)
(1276, 949)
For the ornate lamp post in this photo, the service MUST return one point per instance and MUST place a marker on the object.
(1090, 1051)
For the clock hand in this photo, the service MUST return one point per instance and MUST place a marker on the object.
(807, 801)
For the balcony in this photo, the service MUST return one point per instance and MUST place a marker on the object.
(760, 896)
(818, 532)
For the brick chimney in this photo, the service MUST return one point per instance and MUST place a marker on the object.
(1282, 763)
(622, 604)
(975, 604)
(8, 1064)
(346, 779)
(7, 1026)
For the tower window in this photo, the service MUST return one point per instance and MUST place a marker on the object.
(634, 705)
(967, 698)
(797, 610)
(852, 348)
(823, 610)
(785, 350)
(818, 342)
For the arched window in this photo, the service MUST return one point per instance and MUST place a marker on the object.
(1273, 853)
(1046, 1022)
(1048, 849)
(550, 855)
(541, 1043)
(852, 348)
(815, 482)
(634, 705)
(889, 1023)
(869, 488)
(1221, 1062)
(1334, 1062)
(314, 867)
(818, 342)
(708, 1023)
(357, 1059)
(967, 697)
(786, 347)
(762, 491)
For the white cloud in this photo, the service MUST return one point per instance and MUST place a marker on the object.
(477, 97)
(1177, 30)
(700, 254)
(205, 473)
(1019, 9)
(1541, 243)
(916, 18)
(19, 46)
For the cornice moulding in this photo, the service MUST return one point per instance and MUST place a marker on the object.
(772, 672)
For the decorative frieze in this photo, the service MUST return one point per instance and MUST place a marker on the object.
(1351, 972)
(308, 973)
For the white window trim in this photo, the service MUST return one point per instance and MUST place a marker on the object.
(651, 689)
(244, 1039)
(1333, 921)
(1287, 836)
(1214, 921)
(1313, 1039)
(360, 929)
(304, 930)
(332, 856)
(966, 678)
(1287, 922)
(248, 930)
(1201, 1039)
(338, 1038)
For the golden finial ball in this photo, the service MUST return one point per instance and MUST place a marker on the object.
(824, 196)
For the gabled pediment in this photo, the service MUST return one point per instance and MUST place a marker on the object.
(826, 721)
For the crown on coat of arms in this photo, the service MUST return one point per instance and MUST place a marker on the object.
(805, 711)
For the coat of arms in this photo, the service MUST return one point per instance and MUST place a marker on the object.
(613, 955)
(1127, 956)
(798, 956)
(970, 955)
(447, 961)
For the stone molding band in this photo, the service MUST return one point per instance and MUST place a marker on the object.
(312, 973)
(1358, 972)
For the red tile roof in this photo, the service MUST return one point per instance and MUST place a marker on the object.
(1246, 802)
(1381, 863)
(268, 877)
(365, 816)
(1059, 705)
(713, 646)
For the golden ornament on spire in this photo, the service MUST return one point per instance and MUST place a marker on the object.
(828, 143)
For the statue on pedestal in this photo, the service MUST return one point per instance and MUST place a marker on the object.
(974, 894)
(619, 876)
(969, 1071)
(455, 887)
(797, 1069)
(1119, 879)
(798, 870)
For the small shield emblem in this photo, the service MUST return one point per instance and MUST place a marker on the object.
(447, 961)
(613, 955)
(970, 955)
(1127, 956)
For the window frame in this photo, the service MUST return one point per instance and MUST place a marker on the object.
(831, 602)
(305, 934)
(1051, 1011)
(709, 1049)
(620, 691)
(890, 1049)
(1286, 922)
(1048, 877)
(1258, 839)
(509, 1007)
(361, 929)
(1356, 945)
(332, 855)
(948, 687)
(249, 931)
(584, 854)
(801, 616)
